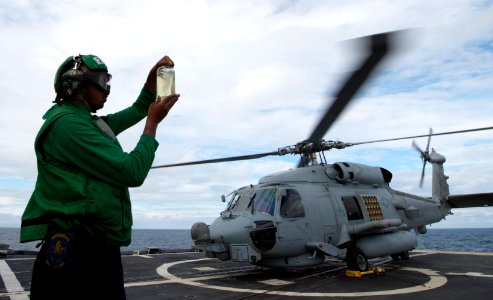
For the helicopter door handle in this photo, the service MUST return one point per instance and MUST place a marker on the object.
(293, 220)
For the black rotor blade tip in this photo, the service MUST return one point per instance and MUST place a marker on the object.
(380, 42)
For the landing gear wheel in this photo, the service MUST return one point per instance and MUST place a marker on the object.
(356, 260)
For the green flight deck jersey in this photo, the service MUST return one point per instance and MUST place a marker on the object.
(83, 172)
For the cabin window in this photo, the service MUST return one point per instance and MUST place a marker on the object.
(264, 201)
(291, 205)
(353, 210)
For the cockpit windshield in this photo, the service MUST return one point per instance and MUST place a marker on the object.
(263, 200)
(241, 200)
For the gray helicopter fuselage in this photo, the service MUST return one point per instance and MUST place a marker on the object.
(297, 217)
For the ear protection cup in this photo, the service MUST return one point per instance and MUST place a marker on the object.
(69, 78)
(71, 81)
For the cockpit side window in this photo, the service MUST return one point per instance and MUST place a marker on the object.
(265, 201)
(291, 205)
(233, 201)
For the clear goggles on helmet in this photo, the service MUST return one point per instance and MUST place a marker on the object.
(100, 79)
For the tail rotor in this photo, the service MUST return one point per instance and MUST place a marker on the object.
(425, 156)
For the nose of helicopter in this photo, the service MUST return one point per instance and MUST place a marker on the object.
(262, 235)
(228, 238)
(200, 233)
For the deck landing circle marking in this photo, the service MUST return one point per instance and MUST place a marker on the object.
(436, 281)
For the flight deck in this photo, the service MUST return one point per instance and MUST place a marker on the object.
(182, 275)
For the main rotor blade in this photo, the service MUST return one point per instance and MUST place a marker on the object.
(423, 135)
(260, 155)
(217, 160)
(379, 47)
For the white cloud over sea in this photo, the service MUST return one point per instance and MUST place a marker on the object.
(255, 76)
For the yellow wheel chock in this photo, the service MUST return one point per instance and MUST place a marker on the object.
(354, 273)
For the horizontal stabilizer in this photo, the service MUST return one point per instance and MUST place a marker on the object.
(470, 200)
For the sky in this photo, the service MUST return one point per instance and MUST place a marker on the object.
(255, 76)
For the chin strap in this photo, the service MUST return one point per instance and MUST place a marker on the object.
(58, 99)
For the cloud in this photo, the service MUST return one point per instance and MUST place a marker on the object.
(255, 76)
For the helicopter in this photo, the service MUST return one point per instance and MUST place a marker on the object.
(296, 218)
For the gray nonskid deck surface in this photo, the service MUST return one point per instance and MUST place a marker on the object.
(427, 275)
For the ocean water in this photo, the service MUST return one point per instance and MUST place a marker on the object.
(468, 240)
(166, 239)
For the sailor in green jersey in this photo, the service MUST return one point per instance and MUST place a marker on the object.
(80, 208)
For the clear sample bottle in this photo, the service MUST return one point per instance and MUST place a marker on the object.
(165, 81)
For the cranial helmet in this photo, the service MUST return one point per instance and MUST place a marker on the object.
(69, 76)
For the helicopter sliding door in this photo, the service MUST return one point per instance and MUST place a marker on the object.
(291, 205)
(292, 225)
